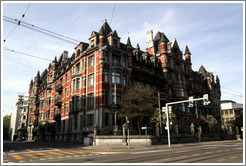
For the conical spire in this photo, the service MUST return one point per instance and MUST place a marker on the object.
(187, 51)
(138, 48)
(55, 60)
(38, 75)
(105, 28)
(128, 41)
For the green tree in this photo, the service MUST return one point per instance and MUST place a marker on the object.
(139, 104)
(6, 121)
(211, 122)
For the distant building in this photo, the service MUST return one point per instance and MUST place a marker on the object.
(73, 95)
(18, 119)
(230, 110)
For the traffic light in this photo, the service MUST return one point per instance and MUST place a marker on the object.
(191, 102)
(205, 99)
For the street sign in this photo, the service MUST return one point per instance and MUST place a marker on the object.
(164, 109)
(144, 128)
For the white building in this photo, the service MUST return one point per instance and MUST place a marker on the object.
(18, 121)
(230, 110)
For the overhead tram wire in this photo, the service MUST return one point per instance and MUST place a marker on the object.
(7, 49)
(17, 24)
(42, 30)
(112, 14)
(20, 63)
(235, 95)
(231, 90)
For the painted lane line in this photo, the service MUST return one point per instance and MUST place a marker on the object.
(66, 152)
(55, 153)
(221, 160)
(43, 154)
(30, 155)
(197, 154)
(17, 157)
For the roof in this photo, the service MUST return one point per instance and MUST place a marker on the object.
(105, 29)
(187, 51)
(203, 71)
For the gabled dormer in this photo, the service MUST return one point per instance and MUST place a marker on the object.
(114, 39)
(79, 49)
(94, 39)
(175, 50)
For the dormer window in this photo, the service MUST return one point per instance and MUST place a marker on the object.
(115, 42)
(78, 52)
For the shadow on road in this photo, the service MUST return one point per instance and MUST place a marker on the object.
(37, 145)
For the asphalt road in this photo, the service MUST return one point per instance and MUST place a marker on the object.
(205, 152)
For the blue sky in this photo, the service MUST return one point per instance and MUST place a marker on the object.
(213, 32)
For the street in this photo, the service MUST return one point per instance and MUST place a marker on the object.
(204, 152)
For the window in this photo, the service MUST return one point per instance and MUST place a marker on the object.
(116, 60)
(124, 80)
(83, 62)
(117, 78)
(91, 100)
(49, 101)
(66, 78)
(91, 80)
(24, 116)
(64, 110)
(77, 102)
(78, 52)
(90, 120)
(82, 82)
(113, 77)
(91, 61)
(106, 57)
(118, 98)
(48, 114)
(78, 67)
(65, 93)
(114, 42)
(77, 83)
(124, 62)
(105, 76)
(74, 84)
(106, 98)
(54, 111)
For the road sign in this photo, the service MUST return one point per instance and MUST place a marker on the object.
(144, 128)
(241, 128)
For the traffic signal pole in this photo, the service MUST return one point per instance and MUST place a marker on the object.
(191, 100)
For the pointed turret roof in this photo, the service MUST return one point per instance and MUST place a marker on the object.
(31, 82)
(217, 78)
(128, 41)
(55, 60)
(105, 29)
(38, 75)
(203, 71)
(137, 47)
(163, 38)
(160, 37)
(187, 51)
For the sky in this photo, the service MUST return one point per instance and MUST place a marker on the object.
(213, 32)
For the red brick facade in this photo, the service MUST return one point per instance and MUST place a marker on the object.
(75, 94)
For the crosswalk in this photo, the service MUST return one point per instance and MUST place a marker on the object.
(51, 155)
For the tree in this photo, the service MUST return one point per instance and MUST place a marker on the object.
(211, 122)
(139, 104)
(6, 122)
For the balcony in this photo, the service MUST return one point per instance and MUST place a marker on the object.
(76, 74)
(57, 117)
(58, 101)
(58, 88)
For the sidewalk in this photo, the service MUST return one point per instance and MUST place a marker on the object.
(153, 147)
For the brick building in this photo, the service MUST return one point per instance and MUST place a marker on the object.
(75, 94)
